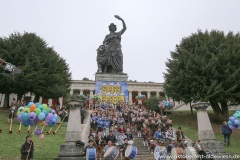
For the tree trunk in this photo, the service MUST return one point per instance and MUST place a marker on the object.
(224, 108)
(36, 98)
(191, 107)
(220, 112)
(6, 101)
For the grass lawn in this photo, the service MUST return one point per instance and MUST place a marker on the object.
(188, 123)
(10, 144)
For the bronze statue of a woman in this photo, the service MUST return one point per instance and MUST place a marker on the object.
(112, 43)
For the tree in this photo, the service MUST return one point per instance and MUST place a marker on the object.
(152, 103)
(44, 72)
(86, 79)
(205, 67)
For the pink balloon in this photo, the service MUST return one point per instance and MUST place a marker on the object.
(41, 136)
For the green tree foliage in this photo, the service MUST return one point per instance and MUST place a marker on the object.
(152, 103)
(205, 67)
(44, 72)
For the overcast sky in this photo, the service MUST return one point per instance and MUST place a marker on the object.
(75, 28)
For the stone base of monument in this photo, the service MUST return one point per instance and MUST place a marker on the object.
(69, 151)
(75, 131)
(206, 134)
(216, 147)
(120, 77)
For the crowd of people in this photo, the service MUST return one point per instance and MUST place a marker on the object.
(118, 124)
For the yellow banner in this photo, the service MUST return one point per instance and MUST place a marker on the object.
(112, 98)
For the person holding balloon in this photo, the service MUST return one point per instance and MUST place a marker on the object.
(226, 131)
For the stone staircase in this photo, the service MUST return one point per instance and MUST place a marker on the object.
(143, 153)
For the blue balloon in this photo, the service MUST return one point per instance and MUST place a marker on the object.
(24, 116)
(235, 125)
(45, 112)
(37, 104)
(29, 104)
(237, 122)
(230, 123)
(40, 107)
(41, 116)
(233, 119)
(25, 124)
(52, 122)
(235, 115)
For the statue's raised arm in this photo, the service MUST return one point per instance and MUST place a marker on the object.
(124, 24)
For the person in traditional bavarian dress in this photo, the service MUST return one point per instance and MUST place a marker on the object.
(160, 151)
(169, 135)
(123, 149)
(109, 144)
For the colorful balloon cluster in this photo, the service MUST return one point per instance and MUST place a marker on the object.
(33, 114)
(140, 97)
(234, 121)
(165, 104)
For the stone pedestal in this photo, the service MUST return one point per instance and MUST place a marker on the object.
(69, 150)
(111, 77)
(206, 134)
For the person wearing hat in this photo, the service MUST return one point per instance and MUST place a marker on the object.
(90, 145)
(123, 148)
(27, 149)
(91, 137)
(179, 134)
(160, 151)
(182, 144)
(197, 146)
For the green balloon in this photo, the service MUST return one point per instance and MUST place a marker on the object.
(48, 110)
(27, 110)
(37, 111)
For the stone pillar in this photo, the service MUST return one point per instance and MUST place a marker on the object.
(205, 131)
(49, 102)
(148, 94)
(40, 99)
(129, 96)
(2, 100)
(166, 96)
(81, 92)
(91, 93)
(157, 94)
(60, 101)
(69, 150)
(73, 128)
(139, 101)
